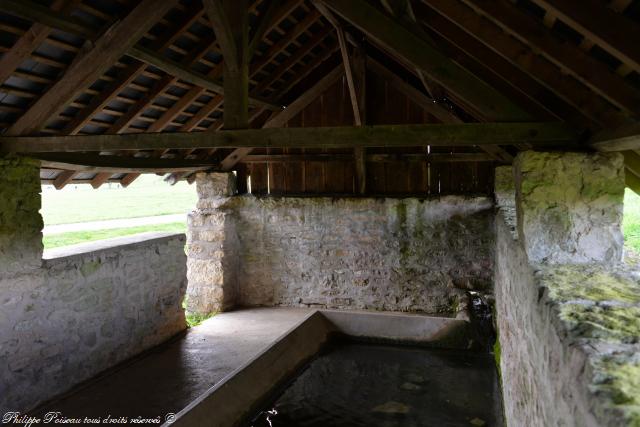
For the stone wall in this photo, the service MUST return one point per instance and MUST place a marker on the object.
(570, 206)
(20, 221)
(361, 253)
(84, 308)
(568, 332)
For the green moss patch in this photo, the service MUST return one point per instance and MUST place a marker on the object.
(614, 324)
(619, 378)
(570, 283)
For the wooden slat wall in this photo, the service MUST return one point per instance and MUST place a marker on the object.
(385, 105)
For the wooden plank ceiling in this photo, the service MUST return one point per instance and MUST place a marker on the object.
(100, 67)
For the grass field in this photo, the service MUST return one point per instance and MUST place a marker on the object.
(150, 196)
(65, 239)
(146, 196)
(631, 222)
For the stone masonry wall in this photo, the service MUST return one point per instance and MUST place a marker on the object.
(570, 206)
(20, 221)
(569, 333)
(362, 253)
(65, 319)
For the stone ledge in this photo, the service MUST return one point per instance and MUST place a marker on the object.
(596, 310)
(81, 250)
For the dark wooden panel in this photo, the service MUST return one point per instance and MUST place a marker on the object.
(258, 173)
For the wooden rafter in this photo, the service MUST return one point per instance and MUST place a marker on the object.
(591, 72)
(512, 50)
(88, 68)
(393, 36)
(25, 45)
(323, 137)
(610, 30)
(287, 114)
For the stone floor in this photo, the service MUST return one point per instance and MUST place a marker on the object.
(165, 379)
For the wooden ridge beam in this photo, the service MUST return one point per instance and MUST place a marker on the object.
(466, 134)
(89, 66)
(591, 72)
(391, 35)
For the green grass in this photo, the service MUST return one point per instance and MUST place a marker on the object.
(72, 238)
(631, 221)
(147, 196)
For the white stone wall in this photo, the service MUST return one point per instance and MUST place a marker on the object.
(84, 313)
(361, 253)
(542, 377)
(65, 319)
(567, 312)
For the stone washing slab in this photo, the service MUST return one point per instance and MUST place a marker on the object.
(243, 391)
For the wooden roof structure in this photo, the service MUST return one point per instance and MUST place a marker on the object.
(316, 96)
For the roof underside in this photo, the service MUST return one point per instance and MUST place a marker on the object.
(550, 61)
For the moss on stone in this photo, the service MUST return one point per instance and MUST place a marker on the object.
(620, 379)
(570, 283)
(607, 323)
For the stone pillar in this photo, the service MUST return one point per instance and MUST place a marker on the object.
(20, 220)
(212, 247)
(569, 206)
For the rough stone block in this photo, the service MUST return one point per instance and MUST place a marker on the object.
(569, 206)
(216, 184)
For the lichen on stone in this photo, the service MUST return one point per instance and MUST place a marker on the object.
(593, 283)
(618, 377)
(607, 323)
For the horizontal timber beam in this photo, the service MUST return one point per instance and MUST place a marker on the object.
(379, 158)
(621, 139)
(116, 164)
(464, 134)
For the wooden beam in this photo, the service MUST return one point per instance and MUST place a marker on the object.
(466, 134)
(26, 44)
(100, 178)
(590, 71)
(36, 12)
(188, 75)
(441, 13)
(620, 139)
(230, 19)
(126, 180)
(395, 37)
(90, 66)
(374, 158)
(266, 23)
(287, 114)
(612, 31)
(117, 164)
(65, 177)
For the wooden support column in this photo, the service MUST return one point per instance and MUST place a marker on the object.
(359, 71)
(230, 19)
